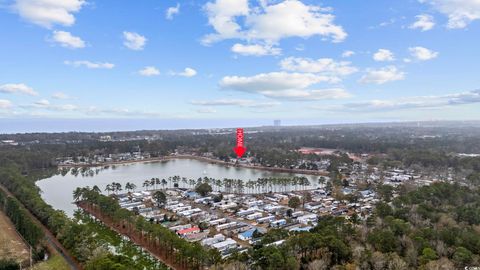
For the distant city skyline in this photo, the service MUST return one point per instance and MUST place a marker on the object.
(231, 62)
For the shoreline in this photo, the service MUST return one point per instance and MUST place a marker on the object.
(199, 158)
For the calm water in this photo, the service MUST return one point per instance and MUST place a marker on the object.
(57, 190)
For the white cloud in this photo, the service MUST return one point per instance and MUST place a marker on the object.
(48, 12)
(270, 22)
(387, 23)
(325, 66)
(255, 49)
(283, 85)
(42, 103)
(382, 75)
(171, 11)
(5, 104)
(206, 110)
(222, 102)
(347, 54)
(234, 102)
(383, 55)
(121, 112)
(469, 97)
(271, 81)
(424, 22)
(292, 18)
(307, 94)
(89, 64)
(66, 39)
(187, 72)
(300, 47)
(460, 12)
(65, 107)
(222, 17)
(149, 71)
(134, 41)
(12, 88)
(60, 95)
(422, 54)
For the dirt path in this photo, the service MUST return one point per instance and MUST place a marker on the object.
(51, 241)
(134, 237)
(12, 245)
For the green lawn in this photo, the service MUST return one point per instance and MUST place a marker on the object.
(54, 263)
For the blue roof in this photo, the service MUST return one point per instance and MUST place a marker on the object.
(248, 234)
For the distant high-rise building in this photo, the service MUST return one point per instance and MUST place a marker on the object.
(277, 123)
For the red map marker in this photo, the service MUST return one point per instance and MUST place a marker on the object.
(240, 149)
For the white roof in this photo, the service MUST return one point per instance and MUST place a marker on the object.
(226, 243)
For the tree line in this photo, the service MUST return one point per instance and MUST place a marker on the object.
(82, 242)
(183, 253)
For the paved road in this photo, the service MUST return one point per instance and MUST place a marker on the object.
(51, 240)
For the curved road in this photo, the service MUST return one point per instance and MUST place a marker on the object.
(51, 240)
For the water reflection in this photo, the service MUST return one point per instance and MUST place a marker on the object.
(58, 189)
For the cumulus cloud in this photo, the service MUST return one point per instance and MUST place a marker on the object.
(382, 75)
(383, 55)
(47, 13)
(469, 97)
(270, 22)
(89, 64)
(5, 104)
(424, 22)
(20, 88)
(271, 81)
(134, 41)
(347, 54)
(187, 72)
(171, 11)
(149, 71)
(283, 85)
(459, 12)
(325, 66)
(255, 49)
(67, 40)
(222, 17)
(422, 54)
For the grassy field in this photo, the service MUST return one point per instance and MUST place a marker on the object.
(11, 244)
(56, 262)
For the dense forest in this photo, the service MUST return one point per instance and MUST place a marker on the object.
(434, 227)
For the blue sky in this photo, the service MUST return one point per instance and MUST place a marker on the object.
(219, 60)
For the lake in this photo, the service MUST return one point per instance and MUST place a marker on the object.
(57, 190)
